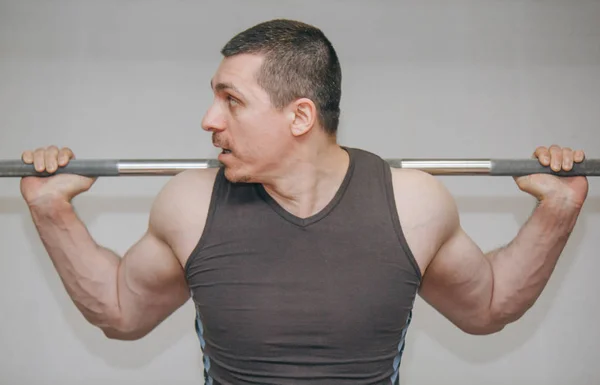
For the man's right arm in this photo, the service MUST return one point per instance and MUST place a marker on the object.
(125, 297)
(482, 292)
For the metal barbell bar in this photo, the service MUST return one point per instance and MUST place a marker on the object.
(166, 167)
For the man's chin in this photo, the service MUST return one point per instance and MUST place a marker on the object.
(235, 177)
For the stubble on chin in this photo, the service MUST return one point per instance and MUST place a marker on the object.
(233, 177)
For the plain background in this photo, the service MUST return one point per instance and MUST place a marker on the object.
(422, 79)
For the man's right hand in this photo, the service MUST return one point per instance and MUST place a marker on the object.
(42, 191)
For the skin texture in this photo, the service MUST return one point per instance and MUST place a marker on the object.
(301, 168)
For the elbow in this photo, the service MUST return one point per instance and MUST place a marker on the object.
(483, 329)
(504, 314)
(123, 334)
(487, 323)
(493, 322)
(119, 329)
(495, 318)
(113, 334)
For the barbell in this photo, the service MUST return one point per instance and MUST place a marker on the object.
(164, 167)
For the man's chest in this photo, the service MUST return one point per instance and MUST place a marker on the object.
(291, 292)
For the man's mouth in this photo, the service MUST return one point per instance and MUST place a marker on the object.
(226, 151)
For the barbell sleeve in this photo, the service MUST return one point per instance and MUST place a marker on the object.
(167, 167)
(91, 168)
(511, 167)
(494, 167)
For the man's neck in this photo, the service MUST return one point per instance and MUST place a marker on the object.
(307, 186)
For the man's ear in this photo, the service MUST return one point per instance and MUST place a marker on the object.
(303, 116)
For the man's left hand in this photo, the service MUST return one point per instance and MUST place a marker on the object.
(570, 191)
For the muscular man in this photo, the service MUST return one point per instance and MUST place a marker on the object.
(302, 257)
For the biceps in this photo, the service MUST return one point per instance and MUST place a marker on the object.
(459, 282)
(151, 283)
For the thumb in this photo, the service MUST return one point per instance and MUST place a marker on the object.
(77, 185)
(526, 184)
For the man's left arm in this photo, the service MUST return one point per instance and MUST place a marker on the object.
(482, 293)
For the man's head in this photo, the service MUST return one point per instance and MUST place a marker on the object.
(278, 84)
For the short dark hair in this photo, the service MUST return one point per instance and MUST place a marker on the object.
(300, 62)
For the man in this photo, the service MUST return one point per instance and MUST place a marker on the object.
(303, 257)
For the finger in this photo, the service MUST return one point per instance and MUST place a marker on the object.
(27, 156)
(38, 160)
(579, 156)
(555, 157)
(64, 156)
(567, 159)
(50, 157)
(543, 155)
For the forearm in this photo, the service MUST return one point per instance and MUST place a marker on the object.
(87, 270)
(521, 269)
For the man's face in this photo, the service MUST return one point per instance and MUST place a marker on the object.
(253, 134)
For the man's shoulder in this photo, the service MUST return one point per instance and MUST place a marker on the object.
(189, 182)
(179, 212)
(415, 178)
(423, 201)
(406, 181)
(420, 189)
(426, 210)
(187, 193)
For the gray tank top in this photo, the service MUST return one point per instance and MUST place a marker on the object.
(320, 300)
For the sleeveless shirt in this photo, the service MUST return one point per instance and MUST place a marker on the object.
(320, 300)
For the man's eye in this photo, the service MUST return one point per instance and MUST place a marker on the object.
(232, 101)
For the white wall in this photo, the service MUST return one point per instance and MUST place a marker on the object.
(129, 79)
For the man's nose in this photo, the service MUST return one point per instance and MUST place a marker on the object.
(214, 119)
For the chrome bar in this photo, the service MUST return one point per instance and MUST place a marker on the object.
(445, 166)
(142, 167)
(433, 166)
